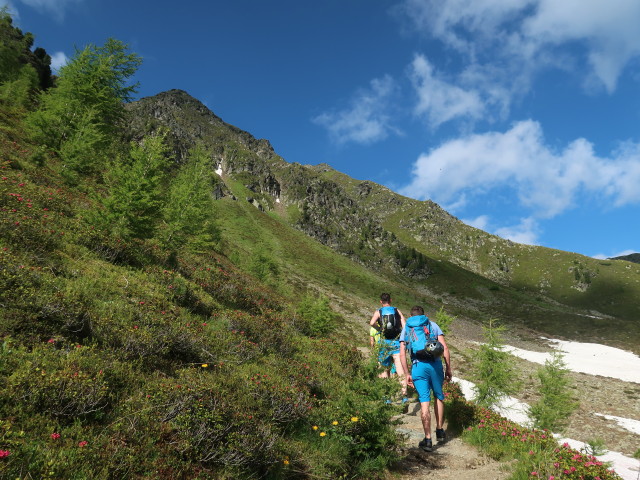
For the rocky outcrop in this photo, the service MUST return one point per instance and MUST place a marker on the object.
(327, 211)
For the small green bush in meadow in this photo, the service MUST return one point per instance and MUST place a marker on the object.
(317, 317)
(444, 320)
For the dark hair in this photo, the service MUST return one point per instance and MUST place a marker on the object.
(385, 297)
(417, 310)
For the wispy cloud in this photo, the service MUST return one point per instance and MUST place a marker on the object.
(516, 38)
(482, 222)
(440, 100)
(366, 119)
(57, 8)
(58, 60)
(527, 232)
(602, 256)
(547, 181)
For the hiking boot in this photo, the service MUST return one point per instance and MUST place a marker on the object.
(426, 445)
(441, 436)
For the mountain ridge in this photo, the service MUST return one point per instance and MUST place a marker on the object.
(455, 265)
(632, 257)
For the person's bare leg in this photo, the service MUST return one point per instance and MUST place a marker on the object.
(400, 372)
(438, 411)
(425, 416)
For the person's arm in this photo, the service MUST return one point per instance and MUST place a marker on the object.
(402, 320)
(447, 358)
(374, 320)
(403, 361)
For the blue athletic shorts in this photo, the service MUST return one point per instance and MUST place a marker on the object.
(427, 377)
(387, 348)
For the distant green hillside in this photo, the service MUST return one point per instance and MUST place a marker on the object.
(415, 247)
(632, 257)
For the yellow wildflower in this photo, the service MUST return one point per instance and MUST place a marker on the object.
(354, 419)
(286, 462)
(315, 427)
(322, 434)
(205, 365)
(335, 422)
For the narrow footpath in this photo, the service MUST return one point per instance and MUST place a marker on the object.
(454, 460)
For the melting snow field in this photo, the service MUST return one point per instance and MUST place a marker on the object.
(589, 358)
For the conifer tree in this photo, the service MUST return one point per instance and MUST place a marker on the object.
(556, 402)
(134, 207)
(79, 118)
(188, 213)
(494, 374)
(18, 79)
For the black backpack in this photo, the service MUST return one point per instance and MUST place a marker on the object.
(390, 324)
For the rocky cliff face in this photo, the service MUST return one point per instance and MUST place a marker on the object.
(325, 210)
(373, 225)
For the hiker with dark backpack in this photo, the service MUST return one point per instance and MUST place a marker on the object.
(425, 342)
(389, 322)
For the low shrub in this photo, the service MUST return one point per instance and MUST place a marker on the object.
(536, 452)
(317, 318)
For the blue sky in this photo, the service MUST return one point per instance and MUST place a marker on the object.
(519, 117)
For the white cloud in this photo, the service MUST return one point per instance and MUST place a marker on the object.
(519, 37)
(526, 232)
(440, 100)
(602, 256)
(58, 60)
(547, 182)
(57, 8)
(481, 222)
(365, 120)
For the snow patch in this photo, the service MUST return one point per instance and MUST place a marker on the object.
(627, 423)
(590, 358)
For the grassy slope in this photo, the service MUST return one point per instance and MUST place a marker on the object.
(538, 291)
(305, 265)
(138, 361)
(476, 275)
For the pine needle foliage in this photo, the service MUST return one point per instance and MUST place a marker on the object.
(134, 206)
(187, 213)
(80, 118)
(494, 374)
(556, 402)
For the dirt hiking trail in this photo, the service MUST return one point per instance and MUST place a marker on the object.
(454, 460)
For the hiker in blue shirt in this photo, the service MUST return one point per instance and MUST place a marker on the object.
(425, 341)
(389, 321)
